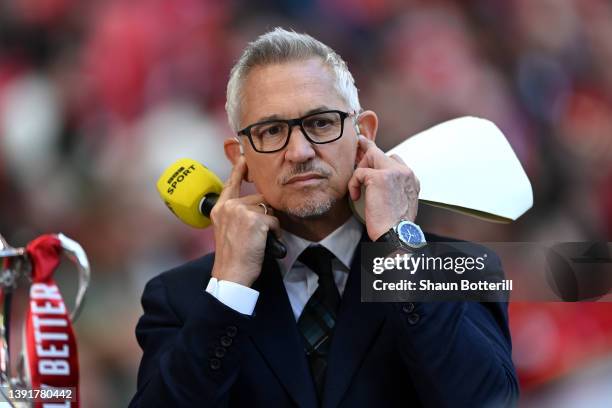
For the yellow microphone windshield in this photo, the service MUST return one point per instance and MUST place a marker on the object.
(183, 185)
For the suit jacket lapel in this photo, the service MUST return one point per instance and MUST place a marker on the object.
(276, 336)
(356, 327)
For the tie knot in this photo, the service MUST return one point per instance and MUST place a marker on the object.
(318, 258)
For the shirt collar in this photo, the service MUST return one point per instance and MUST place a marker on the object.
(342, 242)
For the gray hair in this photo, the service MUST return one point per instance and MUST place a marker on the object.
(278, 46)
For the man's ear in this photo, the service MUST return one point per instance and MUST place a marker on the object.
(233, 150)
(368, 124)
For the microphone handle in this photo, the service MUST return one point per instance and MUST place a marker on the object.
(274, 247)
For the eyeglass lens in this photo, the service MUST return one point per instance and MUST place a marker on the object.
(320, 127)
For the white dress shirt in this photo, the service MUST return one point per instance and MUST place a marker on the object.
(299, 280)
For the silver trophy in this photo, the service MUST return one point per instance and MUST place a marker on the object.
(15, 269)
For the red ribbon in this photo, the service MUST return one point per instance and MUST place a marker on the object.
(51, 351)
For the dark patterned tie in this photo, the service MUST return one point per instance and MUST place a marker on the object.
(317, 321)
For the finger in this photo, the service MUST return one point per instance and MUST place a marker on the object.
(373, 156)
(365, 162)
(259, 207)
(231, 189)
(356, 181)
(252, 199)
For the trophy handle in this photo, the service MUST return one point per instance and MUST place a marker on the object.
(74, 251)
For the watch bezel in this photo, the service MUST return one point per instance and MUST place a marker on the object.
(397, 228)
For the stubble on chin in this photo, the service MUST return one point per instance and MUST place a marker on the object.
(312, 201)
(311, 207)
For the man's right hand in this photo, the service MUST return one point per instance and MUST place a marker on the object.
(241, 229)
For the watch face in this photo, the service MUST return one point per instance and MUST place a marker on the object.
(410, 233)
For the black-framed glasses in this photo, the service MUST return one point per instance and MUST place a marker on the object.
(270, 136)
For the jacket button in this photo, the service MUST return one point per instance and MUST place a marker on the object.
(215, 363)
(413, 318)
(226, 341)
(219, 352)
(232, 331)
(408, 307)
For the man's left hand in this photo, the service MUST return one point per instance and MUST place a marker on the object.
(391, 188)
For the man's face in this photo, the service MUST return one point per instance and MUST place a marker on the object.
(303, 179)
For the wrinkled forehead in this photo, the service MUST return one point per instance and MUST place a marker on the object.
(288, 90)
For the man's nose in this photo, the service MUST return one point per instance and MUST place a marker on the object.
(299, 149)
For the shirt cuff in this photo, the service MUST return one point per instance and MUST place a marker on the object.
(239, 297)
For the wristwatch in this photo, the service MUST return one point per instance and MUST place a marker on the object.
(404, 234)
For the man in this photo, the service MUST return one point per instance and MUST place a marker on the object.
(237, 328)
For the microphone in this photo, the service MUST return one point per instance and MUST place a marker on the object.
(190, 190)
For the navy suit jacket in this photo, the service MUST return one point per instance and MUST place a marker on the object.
(200, 353)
